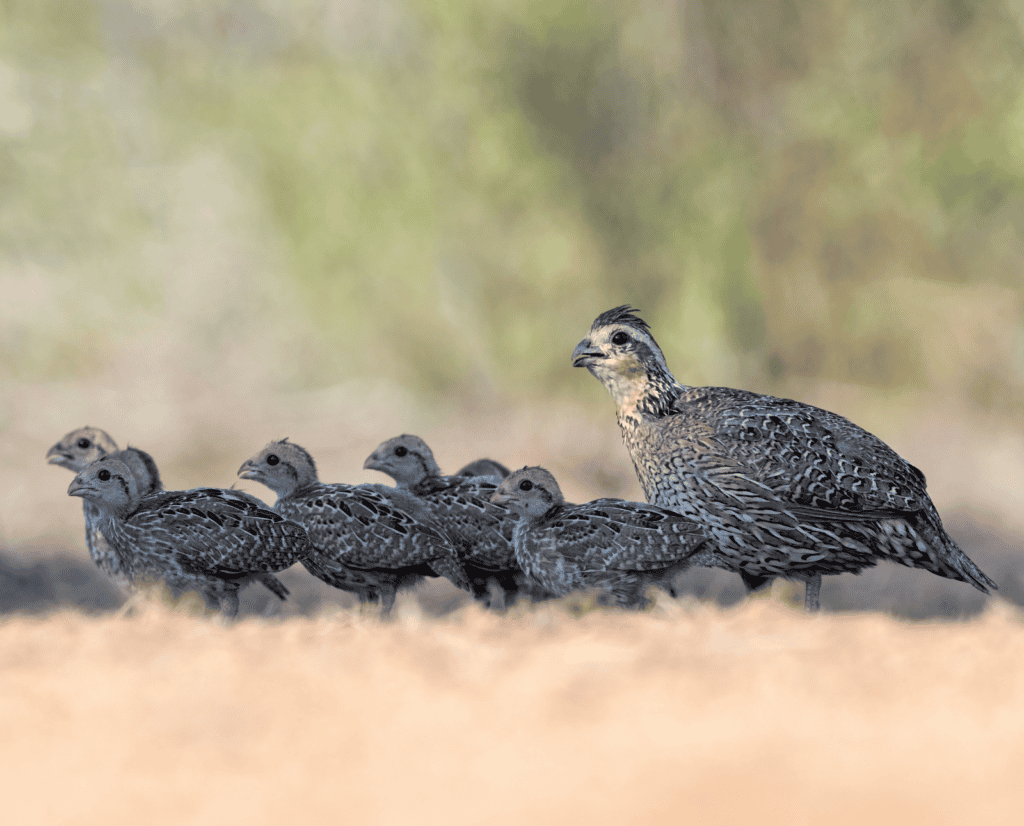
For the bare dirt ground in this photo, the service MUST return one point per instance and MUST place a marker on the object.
(711, 709)
(688, 714)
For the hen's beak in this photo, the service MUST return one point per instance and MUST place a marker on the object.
(585, 353)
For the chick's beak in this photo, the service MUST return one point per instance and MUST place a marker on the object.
(248, 470)
(499, 497)
(585, 353)
(78, 487)
(373, 462)
(55, 456)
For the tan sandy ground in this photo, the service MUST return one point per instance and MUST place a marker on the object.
(683, 715)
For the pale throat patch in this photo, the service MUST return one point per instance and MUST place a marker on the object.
(625, 378)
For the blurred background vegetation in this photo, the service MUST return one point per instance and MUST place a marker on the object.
(339, 220)
(445, 192)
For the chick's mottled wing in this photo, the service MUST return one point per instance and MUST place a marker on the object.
(221, 533)
(816, 463)
(481, 529)
(627, 536)
(362, 529)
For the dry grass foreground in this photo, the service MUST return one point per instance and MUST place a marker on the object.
(686, 714)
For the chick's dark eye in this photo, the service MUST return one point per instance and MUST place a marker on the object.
(84, 443)
(272, 459)
(620, 338)
(526, 484)
(103, 475)
(401, 451)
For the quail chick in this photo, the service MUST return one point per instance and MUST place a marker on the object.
(209, 540)
(77, 450)
(617, 546)
(487, 468)
(780, 488)
(81, 447)
(370, 540)
(480, 529)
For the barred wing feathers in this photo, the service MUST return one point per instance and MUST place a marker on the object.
(220, 533)
(611, 534)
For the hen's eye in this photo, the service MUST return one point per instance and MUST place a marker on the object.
(103, 475)
(526, 484)
(272, 459)
(620, 338)
(401, 451)
(84, 443)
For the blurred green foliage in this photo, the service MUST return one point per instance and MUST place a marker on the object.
(448, 191)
